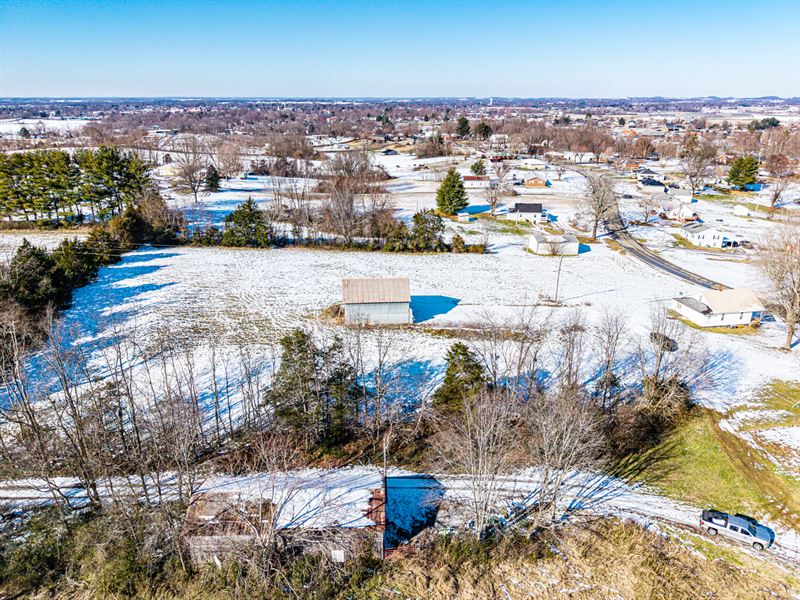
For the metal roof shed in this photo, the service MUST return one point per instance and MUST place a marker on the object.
(377, 301)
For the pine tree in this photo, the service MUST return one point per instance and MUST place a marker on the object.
(478, 167)
(212, 179)
(452, 197)
(463, 378)
(426, 234)
(462, 128)
(483, 131)
(744, 171)
(621, 121)
(246, 226)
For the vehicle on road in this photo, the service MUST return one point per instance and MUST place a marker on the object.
(738, 527)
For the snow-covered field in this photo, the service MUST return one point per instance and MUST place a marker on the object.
(12, 126)
(11, 240)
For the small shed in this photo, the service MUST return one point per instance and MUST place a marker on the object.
(377, 301)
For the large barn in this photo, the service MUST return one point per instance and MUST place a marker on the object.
(385, 301)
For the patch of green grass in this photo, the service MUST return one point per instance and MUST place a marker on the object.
(701, 472)
(501, 226)
(683, 242)
(739, 330)
(715, 468)
(778, 395)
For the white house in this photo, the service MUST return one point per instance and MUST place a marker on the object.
(553, 244)
(476, 181)
(526, 211)
(720, 308)
(674, 208)
(706, 236)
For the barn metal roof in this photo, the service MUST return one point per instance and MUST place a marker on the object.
(375, 290)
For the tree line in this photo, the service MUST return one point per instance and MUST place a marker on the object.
(54, 184)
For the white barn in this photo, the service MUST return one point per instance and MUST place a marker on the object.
(377, 301)
(553, 244)
(720, 308)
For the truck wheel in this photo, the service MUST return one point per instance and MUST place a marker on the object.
(711, 531)
(758, 546)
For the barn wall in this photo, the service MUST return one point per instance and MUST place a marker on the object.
(379, 313)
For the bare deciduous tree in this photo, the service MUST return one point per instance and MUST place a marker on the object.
(190, 164)
(599, 199)
(479, 443)
(608, 336)
(780, 262)
(697, 156)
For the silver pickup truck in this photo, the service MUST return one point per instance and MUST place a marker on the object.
(738, 527)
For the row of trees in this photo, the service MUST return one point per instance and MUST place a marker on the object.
(56, 184)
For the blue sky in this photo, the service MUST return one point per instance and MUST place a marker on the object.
(400, 48)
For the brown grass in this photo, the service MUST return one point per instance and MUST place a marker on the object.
(614, 560)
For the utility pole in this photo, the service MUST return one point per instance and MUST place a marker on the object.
(558, 276)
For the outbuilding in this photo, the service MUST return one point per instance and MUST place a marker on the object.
(553, 244)
(377, 301)
(720, 308)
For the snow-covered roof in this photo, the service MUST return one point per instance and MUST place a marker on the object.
(307, 498)
(553, 238)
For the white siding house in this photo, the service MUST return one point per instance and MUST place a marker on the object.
(674, 209)
(720, 308)
(384, 301)
(703, 235)
(526, 211)
(559, 244)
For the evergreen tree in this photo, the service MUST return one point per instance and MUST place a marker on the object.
(483, 131)
(457, 244)
(76, 261)
(451, 196)
(313, 391)
(33, 279)
(24, 133)
(426, 233)
(246, 226)
(463, 378)
(744, 170)
(212, 179)
(462, 127)
(478, 167)
(621, 121)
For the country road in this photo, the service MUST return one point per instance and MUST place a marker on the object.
(618, 232)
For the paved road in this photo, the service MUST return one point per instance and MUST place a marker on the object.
(619, 232)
